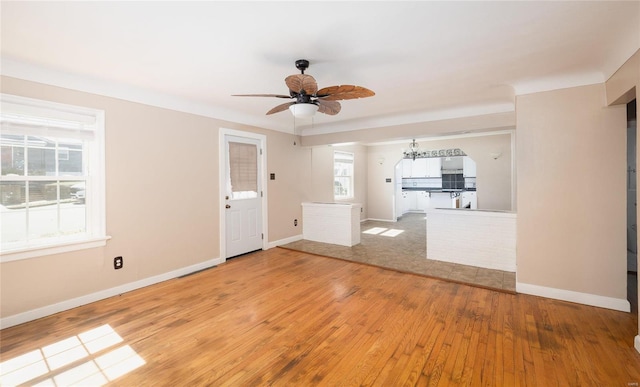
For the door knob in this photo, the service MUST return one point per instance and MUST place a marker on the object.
(227, 206)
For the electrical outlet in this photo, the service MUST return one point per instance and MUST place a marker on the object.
(295, 222)
(118, 263)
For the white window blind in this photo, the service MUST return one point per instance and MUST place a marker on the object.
(243, 161)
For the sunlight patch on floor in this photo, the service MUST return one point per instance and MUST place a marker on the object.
(55, 362)
(392, 232)
(374, 230)
(388, 232)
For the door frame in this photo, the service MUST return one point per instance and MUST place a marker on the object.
(262, 174)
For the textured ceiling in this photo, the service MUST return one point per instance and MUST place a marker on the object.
(424, 60)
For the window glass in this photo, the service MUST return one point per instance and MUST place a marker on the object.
(12, 154)
(70, 157)
(343, 175)
(13, 215)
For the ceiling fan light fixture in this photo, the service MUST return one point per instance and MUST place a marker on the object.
(303, 110)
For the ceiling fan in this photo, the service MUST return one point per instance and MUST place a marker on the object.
(308, 99)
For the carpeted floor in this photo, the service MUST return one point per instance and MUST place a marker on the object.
(402, 246)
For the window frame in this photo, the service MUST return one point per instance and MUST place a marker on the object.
(93, 173)
(350, 193)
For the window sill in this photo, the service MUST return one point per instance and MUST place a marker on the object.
(50, 249)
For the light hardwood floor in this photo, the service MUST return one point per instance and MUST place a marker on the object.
(282, 317)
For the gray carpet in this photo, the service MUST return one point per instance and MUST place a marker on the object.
(406, 252)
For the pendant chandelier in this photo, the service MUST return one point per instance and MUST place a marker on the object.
(413, 152)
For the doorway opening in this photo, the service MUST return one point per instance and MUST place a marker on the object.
(632, 221)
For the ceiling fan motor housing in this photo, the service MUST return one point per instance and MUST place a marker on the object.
(302, 64)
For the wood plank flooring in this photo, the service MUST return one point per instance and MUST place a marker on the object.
(281, 317)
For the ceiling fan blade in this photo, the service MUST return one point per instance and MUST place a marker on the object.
(334, 93)
(262, 95)
(329, 107)
(299, 83)
(280, 108)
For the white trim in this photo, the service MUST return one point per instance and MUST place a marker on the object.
(514, 172)
(636, 343)
(284, 241)
(581, 298)
(222, 185)
(379, 220)
(64, 247)
(101, 295)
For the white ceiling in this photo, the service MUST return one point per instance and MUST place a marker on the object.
(424, 60)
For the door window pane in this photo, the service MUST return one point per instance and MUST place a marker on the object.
(243, 168)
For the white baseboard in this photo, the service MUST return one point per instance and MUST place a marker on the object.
(284, 241)
(89, 298)
(636, 343)
(379, 220)
(581, 298)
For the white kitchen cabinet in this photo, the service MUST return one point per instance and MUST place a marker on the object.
(422, 199)
(419, 168)
(441, 200)
(422, 167)
(469, 198)
(412, 200)
(433, 167)
(469, 167)
(407, 167)
(404, 202)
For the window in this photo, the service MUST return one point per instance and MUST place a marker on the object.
(342, 175)
(51, 178)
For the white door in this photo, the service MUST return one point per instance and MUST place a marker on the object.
(243, 198)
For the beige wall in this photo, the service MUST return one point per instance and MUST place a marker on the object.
(322, 174)
(291, 165)
(162, 200)
(571, 191)
(493, 175)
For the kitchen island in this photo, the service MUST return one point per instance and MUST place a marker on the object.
(482, 238)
